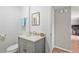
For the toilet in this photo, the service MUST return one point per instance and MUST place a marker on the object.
(12, 49)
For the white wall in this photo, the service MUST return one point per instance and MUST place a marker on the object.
(52, 27)
(9, 25)
(45, 24)
(25, 13)
(62, 27)
(75, 15)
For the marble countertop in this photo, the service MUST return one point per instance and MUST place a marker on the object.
(33, 38)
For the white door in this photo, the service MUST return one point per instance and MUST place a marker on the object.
(62, 27)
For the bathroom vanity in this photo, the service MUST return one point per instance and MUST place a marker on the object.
(31, 44)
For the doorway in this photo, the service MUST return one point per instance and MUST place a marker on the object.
(75, 28)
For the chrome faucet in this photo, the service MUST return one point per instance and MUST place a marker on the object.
(34, 32)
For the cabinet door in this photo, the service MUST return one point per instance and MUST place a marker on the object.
(22, 46)
(26, 46)
(40, 46)
(30, 46)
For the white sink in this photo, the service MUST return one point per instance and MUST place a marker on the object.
(33, 38)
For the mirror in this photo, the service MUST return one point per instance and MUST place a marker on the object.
(36, 19)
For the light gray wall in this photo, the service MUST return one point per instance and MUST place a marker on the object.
(9, 25)
(75, 15)
(62, 27)
(45, 23)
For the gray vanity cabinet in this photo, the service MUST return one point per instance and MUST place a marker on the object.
(27, 46)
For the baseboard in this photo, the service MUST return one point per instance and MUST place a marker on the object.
(63, 49)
